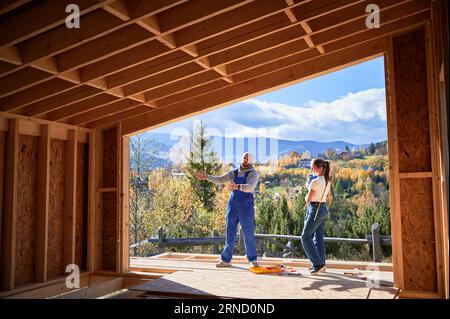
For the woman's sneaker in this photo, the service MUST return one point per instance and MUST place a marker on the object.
(254, 263)
(222, 264)
(318, 269)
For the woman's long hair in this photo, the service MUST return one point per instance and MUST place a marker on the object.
(321, 163)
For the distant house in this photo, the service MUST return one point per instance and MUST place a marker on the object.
(176, 174)
(345, 156)
(306, 155)
(304, 163)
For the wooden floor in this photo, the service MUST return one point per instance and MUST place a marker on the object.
(195, 276)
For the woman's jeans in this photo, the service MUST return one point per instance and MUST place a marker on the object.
(313, 234)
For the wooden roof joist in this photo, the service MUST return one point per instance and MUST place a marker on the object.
(139, 57)
(263, 70)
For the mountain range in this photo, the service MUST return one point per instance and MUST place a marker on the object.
(234, 147)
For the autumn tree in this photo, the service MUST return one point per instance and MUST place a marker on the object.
(202, 157)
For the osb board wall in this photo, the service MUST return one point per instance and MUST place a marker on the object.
(109, 199)
(56, 209)
(26, 208)
(411, 99)
(109, 230)
(82, 205)
(110, 157)
(2, 181)
(418, 239)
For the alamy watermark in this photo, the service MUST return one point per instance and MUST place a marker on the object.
(73, 19)
(73, 279)
(228, 144)
(373, 19)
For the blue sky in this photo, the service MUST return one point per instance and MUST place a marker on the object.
(347, 105)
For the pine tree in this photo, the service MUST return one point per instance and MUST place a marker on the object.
(202, 158)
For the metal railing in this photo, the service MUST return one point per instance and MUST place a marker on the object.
(375, 240)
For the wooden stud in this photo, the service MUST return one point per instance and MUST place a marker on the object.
(8, 254)
(50, 14)
(434, 139)
(92, 194)
(392, 155)
(70, 199)
(124, 202)
(98, 214)
(43, 204)
(2, 180)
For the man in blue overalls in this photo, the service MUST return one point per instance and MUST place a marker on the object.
(240, 208)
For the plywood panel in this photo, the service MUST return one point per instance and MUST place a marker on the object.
(109, 230)
(82, 208)
(411, 98)
(418, 239)
(2, 177)
(110, 158)
(208, 283)
(26, 208)
(56, 265)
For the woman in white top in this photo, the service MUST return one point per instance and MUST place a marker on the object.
(312, 237)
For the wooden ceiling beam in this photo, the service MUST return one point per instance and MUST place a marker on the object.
(100, 112)
(356, 26)
(390, 28)
(165, 63)
(228, 21)
(80, 106)
(116, 42)
(293, 56)
(96, 24)
(192, 12)
(259, 45)
(117, 117)
(181, 85)
(66, 61)
(163, 78)
(75, 95)
(41, 18)
(386, 29)
(197, 48)
(9, 5)
(273, 54)
(190, 92)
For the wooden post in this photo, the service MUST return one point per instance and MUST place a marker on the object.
(215, 249)
(160, 235)
(70, 199)
(376, 243)
(160, 239)
(98, 213)
(92, 191)
(2, 180)
(43, 204)
(8, 256)
(124, 211)
(241, 241)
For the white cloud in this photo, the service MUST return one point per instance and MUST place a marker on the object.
(356, 118)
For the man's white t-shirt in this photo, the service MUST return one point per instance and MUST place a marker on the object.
(318, 186)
